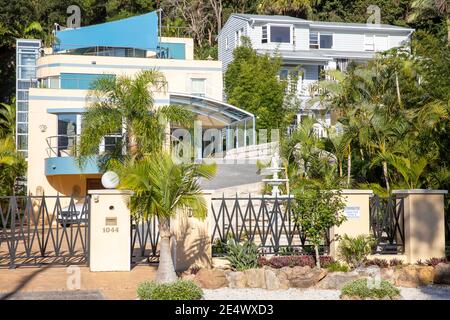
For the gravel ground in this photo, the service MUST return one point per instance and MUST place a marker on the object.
(423, 293)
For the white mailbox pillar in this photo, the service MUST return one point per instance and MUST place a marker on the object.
(109, 242)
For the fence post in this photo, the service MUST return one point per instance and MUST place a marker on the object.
(357, 212)
(191, 244)
(109, 230)
(424, 222)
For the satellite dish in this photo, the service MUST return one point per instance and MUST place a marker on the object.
(110, 180)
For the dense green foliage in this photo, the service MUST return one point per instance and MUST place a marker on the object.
(360, 289)
(252, 83)
(199, 19)
(355, 250)
(178, 290)
(242, 256)
(12, 164)
(316, 211)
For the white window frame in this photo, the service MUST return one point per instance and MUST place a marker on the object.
(373, 36)
(318, 40)
(227, 43)
(365, 44)
(266, 38)
(291, 33)
(238, 37)
(200, 94)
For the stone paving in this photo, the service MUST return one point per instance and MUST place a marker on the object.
(43, 282)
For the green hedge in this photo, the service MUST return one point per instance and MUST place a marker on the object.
(178, 290)
(359, 289)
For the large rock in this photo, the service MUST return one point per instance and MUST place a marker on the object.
(306, 278)
(236, 279)
(442, 274)
(414, 276)
(211, 278)
(272, 281)
(283, 276)
(336, 280)
(256, 278)
(388, 274)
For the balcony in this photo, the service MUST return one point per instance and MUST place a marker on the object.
(61, 155)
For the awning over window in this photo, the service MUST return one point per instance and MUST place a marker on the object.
(140, 32)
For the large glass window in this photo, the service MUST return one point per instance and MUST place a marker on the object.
(319, 40)
(67, 131)
(280, 34)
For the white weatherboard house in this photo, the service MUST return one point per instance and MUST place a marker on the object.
(308, 47)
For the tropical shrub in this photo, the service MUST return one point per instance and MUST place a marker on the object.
(354, 250)
(317, 210)
(178, 290)
(395, 262)
(382, 263)
(359, 289)
(242, 256)
(337, 266)
(433, 262)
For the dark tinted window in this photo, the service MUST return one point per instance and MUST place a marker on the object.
(326, 41)
(280, 34)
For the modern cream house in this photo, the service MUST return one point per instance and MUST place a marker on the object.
(65, 73)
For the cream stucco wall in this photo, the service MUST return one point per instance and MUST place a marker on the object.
(178, 74)
(353, 226)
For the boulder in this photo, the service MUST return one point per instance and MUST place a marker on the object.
(336, 280)
(307, 279)
(283, 276)
(211, 278)
(256, 278)
(388, 274)
(414, 276)
(272, 281)
(299, 271)
(442, 274)
(236, 279)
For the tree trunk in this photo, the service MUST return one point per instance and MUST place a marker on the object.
(166, 271)
(448, 29)
(340, 168)
(385, 174)
(349, 166)
(316, 249)
(397, 86)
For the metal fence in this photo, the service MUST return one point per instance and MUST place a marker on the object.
(144, 240)
(44, 230)
(387, 224)
(266, 221)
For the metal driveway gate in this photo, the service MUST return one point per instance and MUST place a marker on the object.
(269, 222)
(144, 240)
(44, 230)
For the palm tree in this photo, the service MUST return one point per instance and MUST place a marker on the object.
(162, 188)
(287, 7)
(7, 120)
(431, 8)
(125, 106)
(12, 166)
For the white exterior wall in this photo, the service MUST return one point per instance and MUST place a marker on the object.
(233, 24)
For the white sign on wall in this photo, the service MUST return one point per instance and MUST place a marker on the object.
(352, 212)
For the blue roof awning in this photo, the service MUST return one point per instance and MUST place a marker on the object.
(139, 32)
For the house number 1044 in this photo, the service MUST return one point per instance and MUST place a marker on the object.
(110, 229)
